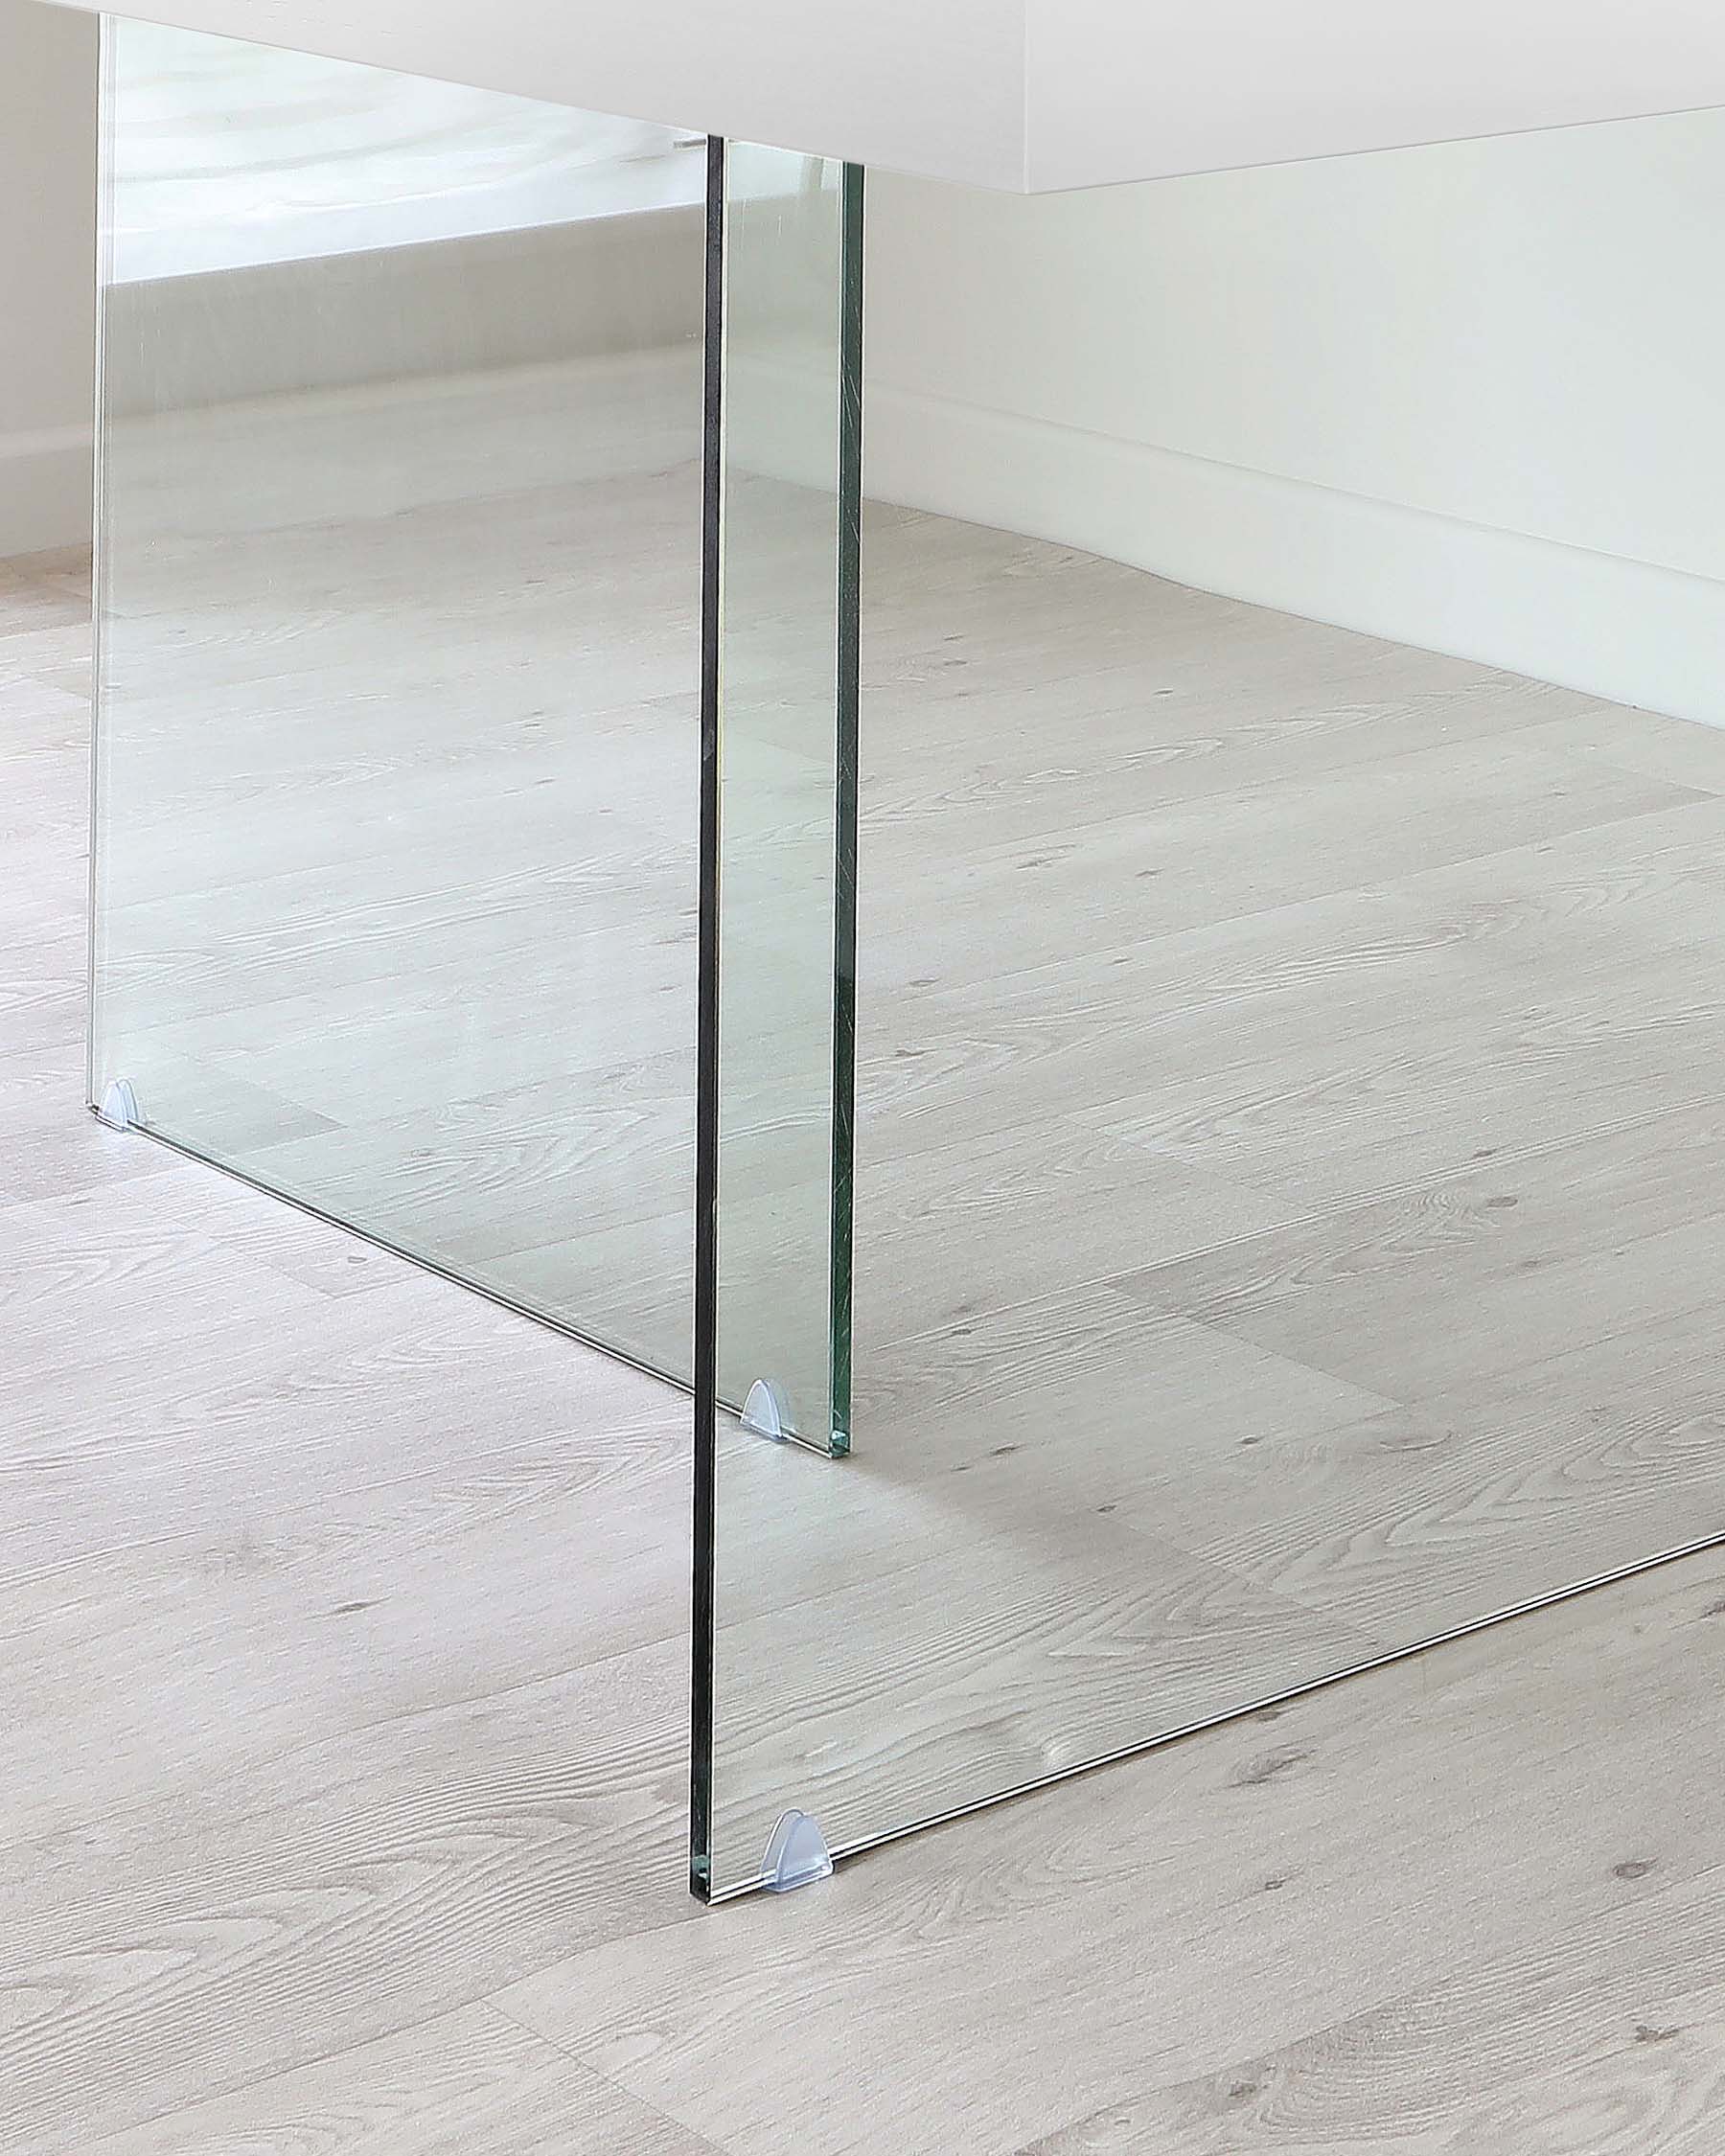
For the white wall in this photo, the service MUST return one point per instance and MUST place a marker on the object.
(1470, 397)
(47, 273)
(229, 155)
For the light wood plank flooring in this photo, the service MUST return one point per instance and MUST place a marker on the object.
(342, 1766)
(1287, 1185)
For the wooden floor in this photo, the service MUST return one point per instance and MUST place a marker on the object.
(342, 1765)
(1288, 1185)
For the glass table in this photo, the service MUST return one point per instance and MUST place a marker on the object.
(1031, 795)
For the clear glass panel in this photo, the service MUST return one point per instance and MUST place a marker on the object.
(1289, 915)
(787, 818)
(398, 654)
(773, 1286)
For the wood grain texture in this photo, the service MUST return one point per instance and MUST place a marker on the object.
(475, 2083)
(335, 1691)
(1368, 1919)
(343, 1756)
(1287, 1120)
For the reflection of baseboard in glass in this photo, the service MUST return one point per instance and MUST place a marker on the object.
(548, 294)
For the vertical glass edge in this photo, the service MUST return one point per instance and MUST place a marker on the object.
(848, 665)
(101, 270)
(706, 1109)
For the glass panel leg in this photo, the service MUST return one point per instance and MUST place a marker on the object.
(399, 588)
(784, 475)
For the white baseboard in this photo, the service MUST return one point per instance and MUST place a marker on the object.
(45, 491)
(591, 287)
(1628, 630)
